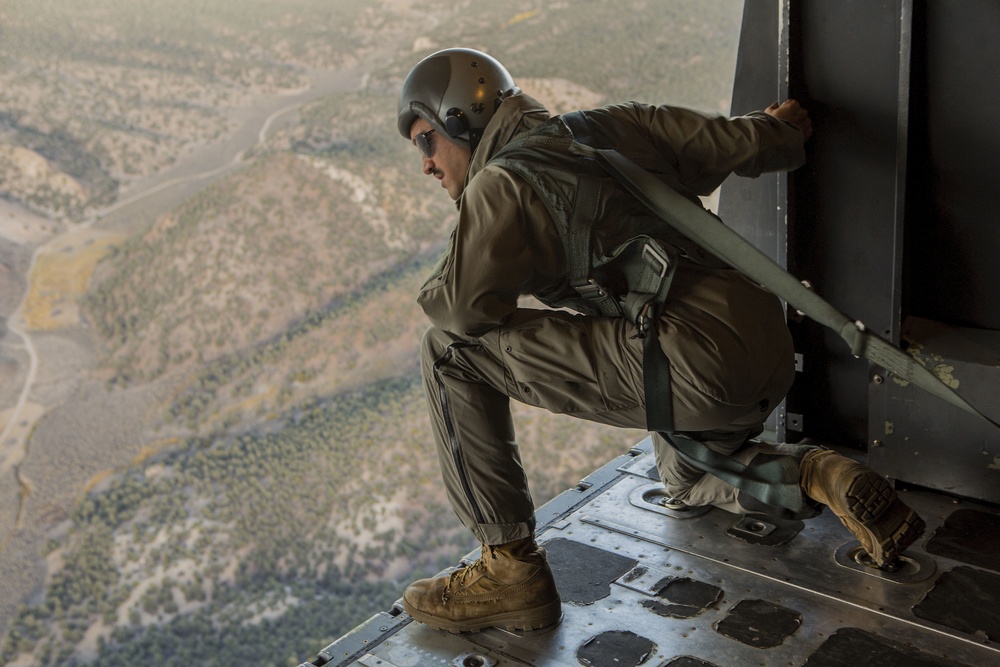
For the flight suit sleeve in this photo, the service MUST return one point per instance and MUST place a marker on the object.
(488, 262)
(705, 149)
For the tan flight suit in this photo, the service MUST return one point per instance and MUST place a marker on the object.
(725, 337)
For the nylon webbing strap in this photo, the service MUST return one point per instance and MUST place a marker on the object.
(700, 226)
(656, 385)
(774, 481)
(651, 284)
(643, 305)
(579, 235)
(578, 244)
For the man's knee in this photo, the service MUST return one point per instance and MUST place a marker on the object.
(433, 343)
(456, 356)
(433, 346)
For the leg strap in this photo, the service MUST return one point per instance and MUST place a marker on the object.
(772, 481)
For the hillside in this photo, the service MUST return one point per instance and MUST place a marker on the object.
(96, 95)
(233, 463)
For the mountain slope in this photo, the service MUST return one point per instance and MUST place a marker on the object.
(277, 481)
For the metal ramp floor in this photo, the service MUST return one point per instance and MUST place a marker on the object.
(645, 585)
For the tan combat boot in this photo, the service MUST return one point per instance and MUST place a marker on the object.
(864, 501)
(510, 586)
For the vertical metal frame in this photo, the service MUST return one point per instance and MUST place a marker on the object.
(946, 297)
(892, 220)
(878, 392)
(758, 209)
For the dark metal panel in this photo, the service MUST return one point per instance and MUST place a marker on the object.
(756, 208)
(953, 234)
(751, 206)
(951, 300)
(925, 441)
(893, 217)
(842, 61)
(844, 229)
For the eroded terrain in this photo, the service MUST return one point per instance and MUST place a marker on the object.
(210, 240)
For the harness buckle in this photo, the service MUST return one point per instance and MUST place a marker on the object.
(654, 256)
(643, 321)
(591, 290)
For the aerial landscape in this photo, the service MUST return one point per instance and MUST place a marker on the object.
(214, 447)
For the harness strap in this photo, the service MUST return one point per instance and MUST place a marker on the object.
(648, 286)
(774, 481)
(579, 235)
(711, 234)
(578, 243)
(644, 305)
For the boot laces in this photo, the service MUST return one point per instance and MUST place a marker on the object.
(458, 577)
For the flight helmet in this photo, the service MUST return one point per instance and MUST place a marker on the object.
(457, 91)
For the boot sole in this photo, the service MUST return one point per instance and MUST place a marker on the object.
(529, 619)
(875, 507)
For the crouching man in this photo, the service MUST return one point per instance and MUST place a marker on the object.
(724, 337)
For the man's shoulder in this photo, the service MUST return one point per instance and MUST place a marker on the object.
(490, 187)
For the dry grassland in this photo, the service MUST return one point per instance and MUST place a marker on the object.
(60, 277)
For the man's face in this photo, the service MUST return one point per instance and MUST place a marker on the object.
(448, 161)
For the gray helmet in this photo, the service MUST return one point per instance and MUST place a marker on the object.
(457, 91)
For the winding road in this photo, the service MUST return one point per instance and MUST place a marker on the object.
(155, 196)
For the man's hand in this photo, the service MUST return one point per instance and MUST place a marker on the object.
(790, 111)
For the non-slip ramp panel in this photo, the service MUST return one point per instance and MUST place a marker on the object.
(682, 597)
(617, 555)
(583, 573)
(759, 623)
(615, 648)
(853, 647)
(970, 536)
(964, 599)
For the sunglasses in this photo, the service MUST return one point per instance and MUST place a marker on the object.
(423, 142)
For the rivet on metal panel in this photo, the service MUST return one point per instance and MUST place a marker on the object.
(878, 379)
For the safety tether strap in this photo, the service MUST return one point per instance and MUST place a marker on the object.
(648, 287)
(703, 228)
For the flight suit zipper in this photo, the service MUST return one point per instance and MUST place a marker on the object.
(456, 449)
